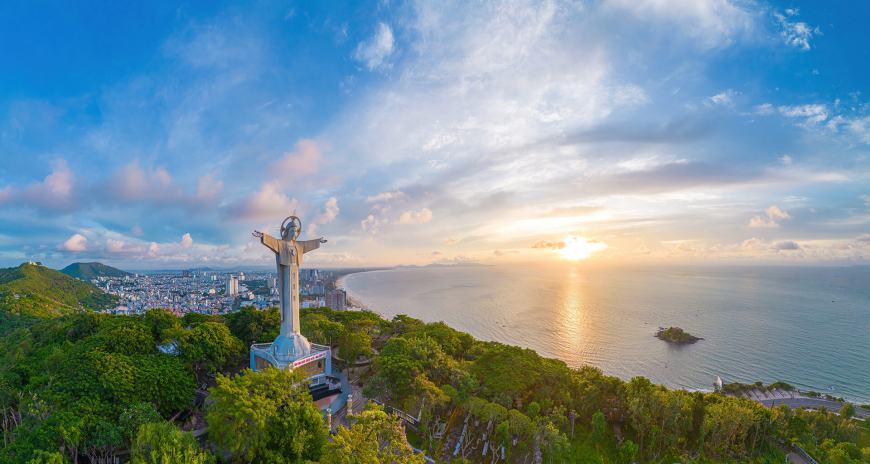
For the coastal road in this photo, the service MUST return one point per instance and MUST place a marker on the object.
(860, 413)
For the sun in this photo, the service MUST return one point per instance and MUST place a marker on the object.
(580, 248)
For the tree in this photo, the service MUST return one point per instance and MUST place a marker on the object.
(375, 437)
(847, 412)
(353, 345)
(250, 325)
(44, 457)
(102, 444)
(277, 420)
(598, 426)
(627, 452)
(134, 417)
(163, 443)
(210, 345)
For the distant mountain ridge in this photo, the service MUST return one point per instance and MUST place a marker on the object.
(46, 292)
(88, 271)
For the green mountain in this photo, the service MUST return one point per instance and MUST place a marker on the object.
(45, 292)
(87, 271)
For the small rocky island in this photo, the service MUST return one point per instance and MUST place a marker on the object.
(676, 335)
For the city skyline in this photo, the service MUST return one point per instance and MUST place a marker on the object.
(667, 131)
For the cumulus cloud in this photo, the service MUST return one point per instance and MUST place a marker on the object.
(371, 225)
(548, 245)
(76, 243)
(795, 33)
(186, 241)
(415, 217)
(753, 244)
(55, 193)
(773, 216)
(452, 240)
(374, 51)
(132, 184)
(264, 205)
(119, 246)
(330, 211)
(208, 189)
(303, 161)
(786, 160)
(136, 231)
(863, 238)
(398, 195)
(786, 245)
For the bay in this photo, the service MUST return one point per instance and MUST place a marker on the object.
(808, 326)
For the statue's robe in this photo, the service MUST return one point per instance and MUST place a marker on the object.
(288, 254)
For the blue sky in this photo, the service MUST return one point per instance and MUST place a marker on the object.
(160, 136)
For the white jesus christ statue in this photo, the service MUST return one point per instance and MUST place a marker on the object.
(290, 344)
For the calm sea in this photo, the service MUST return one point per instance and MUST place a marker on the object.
(809, 326)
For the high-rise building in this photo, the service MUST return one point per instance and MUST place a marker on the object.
(232, 286)
(337, 300)
(185, 273)
(273, 282)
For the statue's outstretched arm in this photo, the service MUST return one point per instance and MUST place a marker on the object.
(273, 243)
(309, 245)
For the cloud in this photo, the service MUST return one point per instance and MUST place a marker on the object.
(774, 214)
(267, 204)
(814, 113)
(712, 23)
(76, 243)
(723, 99)
(548, 245)
(371, 225)
(55, 193)
(452, 240)
(374, 51)
(119, 246)
(133, 184)
(786, 245)
(136, 231)
(328, 215)
(786, 160)
(208, 190)
(415, 217)
(796, 34)
(153, 250)
(504, 252)
(398, 195)
(304, 161)
(752, 245)
(863, 238)
(223, 248)
(764, 109)
(186, 241)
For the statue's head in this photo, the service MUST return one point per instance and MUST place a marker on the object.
(290, 228)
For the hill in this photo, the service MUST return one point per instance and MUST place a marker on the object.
(45, 292)
(87, 271)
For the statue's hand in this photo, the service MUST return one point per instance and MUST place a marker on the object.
(257, 234)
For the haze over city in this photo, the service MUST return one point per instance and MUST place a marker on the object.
(160, 137)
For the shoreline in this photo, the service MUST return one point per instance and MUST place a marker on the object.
(357, 303)
(354, 302)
